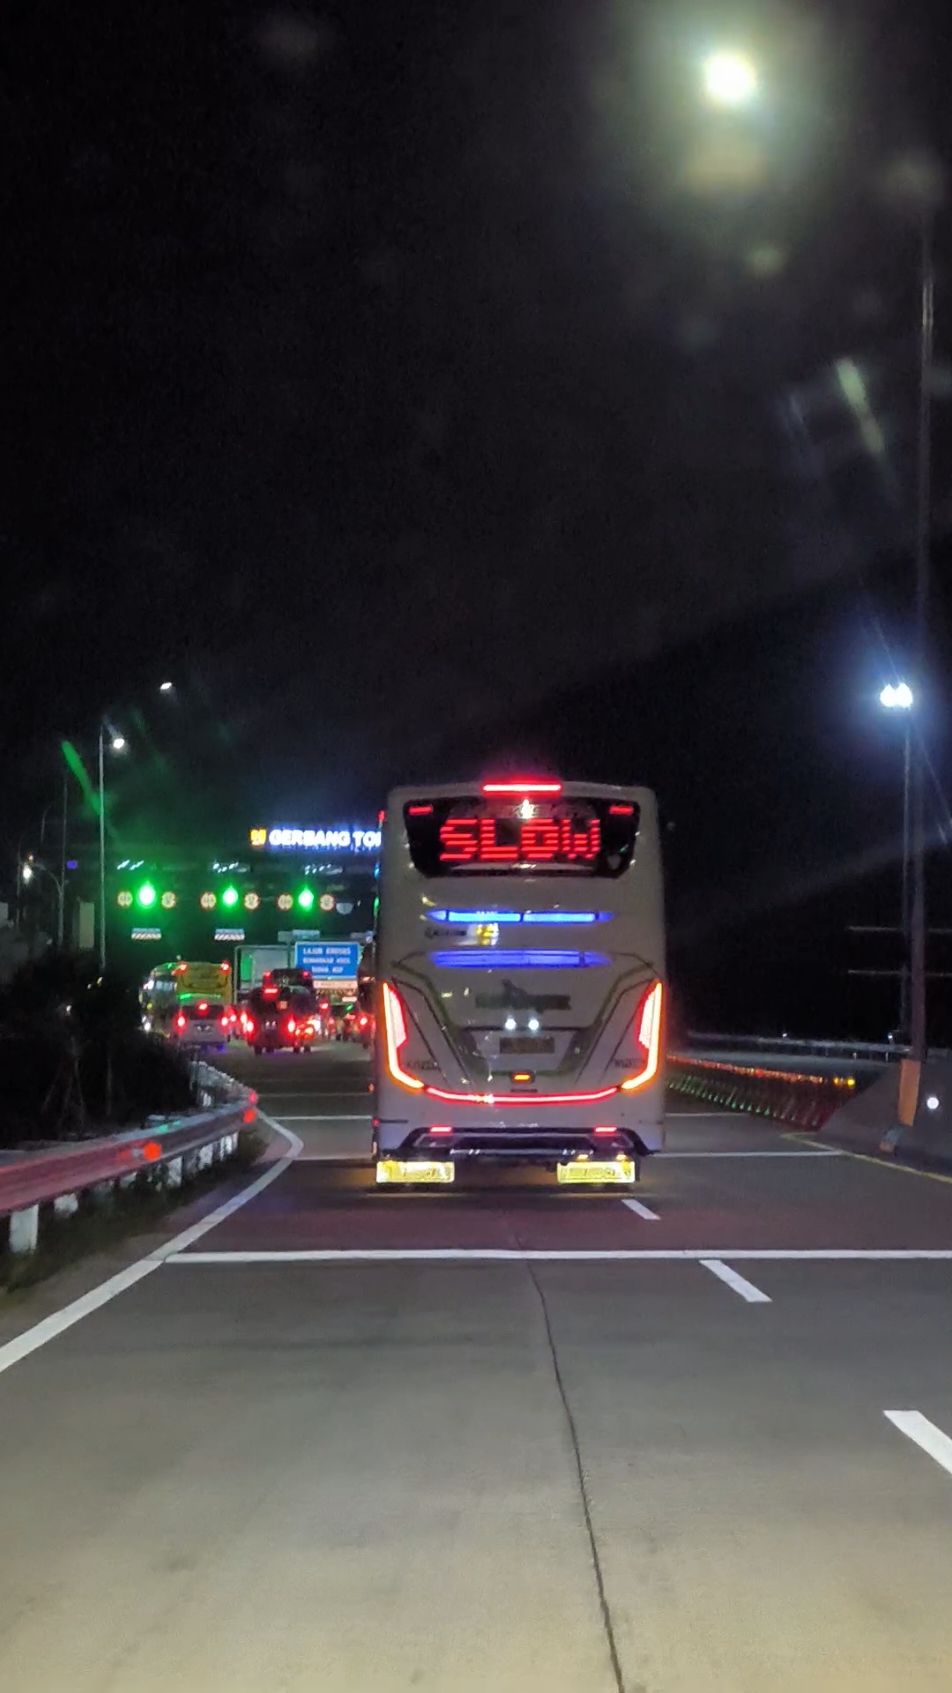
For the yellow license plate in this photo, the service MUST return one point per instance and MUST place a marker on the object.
(415, 1170)
(597, 1170)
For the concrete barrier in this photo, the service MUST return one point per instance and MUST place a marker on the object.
(906, 1114)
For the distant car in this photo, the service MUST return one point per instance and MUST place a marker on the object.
(279, 1022)
(200, 1024)
(357, 1025)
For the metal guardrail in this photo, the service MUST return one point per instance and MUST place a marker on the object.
(788, 1096)
(178, 1145)
(879, 1051)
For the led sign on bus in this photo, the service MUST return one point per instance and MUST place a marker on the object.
(584, 836)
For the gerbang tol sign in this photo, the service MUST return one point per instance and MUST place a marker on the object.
(334, 840)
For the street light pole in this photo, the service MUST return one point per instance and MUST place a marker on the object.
(917, 915)
(102, 849)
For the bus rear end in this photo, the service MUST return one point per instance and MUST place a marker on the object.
(520, 981)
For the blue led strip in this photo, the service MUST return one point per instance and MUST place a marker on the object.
(444, 916)
(492, 958)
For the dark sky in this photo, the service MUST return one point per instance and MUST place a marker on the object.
(382, 372)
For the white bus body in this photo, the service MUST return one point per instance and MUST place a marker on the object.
(520, 980)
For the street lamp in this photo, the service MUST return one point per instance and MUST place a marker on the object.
(900, 697)
(730, 79)
(27, 872)
(117, 743)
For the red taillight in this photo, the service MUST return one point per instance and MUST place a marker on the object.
(621, 811)
(605, 1128)
(291, 1025)
(363, 1020)
(180, 1021)
(440, 1129)
(395, 1029)
(224, 1022)
(270, 993)
(648, 1037)
(419, 810)
(203, 1007)
(250, 1026)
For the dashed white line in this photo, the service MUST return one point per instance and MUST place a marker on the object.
(740, 1284)
(641, 1210)
(925, 1434)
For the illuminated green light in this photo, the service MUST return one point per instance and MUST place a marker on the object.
(230, 896)
(305, 899)
(146, 895)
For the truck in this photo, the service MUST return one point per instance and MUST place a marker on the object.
(252, 964)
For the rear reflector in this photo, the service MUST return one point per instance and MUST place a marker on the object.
(434, 1170)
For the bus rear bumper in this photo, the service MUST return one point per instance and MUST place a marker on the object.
(547, 1148)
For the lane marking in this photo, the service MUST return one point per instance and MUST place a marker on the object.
(33, 1338)
(925, 1434)
(739, 1283)
(325, 1116)
(179, 1242)
(818, 1152)
(641, 1210)
(700, 1114)
(891, 1164)
(621, 1255)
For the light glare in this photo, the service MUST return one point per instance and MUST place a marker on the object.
(729, 79)
(898, 698)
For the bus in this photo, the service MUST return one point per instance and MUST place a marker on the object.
(520, 980)
(165, 989)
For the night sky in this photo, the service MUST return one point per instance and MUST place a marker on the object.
(416, 384)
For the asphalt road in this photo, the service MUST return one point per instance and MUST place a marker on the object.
(499, 1437)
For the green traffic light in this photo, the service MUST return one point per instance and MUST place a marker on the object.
(146, 894)
(305, 899)
(230, 896)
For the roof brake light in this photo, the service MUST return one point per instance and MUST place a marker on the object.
(529, 786)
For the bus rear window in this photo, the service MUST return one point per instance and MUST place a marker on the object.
(481, 836)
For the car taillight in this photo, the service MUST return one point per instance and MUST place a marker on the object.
(395, 1030)
(363, 1020)
(203, 1007)
(250, 1026)
(648, 1037)
(180, 1021)
(291, 1025)
(224, 1022)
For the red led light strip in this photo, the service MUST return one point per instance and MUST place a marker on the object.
(523, 1099)
(527, 787)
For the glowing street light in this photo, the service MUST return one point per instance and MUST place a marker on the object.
(166, 687)
(898, 698)
(730, 79)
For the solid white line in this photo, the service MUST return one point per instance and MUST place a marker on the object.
(360, 1117)
(925, 1434)
(740, 1284)
(821, 1152)
(33, 1338)
(40, 1333)
(641, 1210)
(626, 1255)
(179, 1242)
